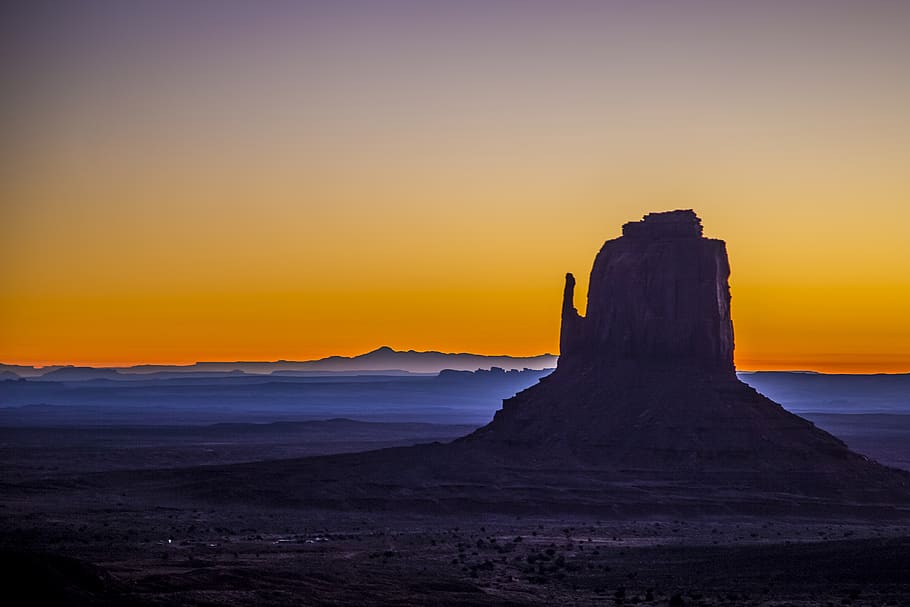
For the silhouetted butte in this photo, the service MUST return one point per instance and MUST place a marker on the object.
(644, 412)
(646, 384)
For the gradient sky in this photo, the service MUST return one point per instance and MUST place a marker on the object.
(186, 181)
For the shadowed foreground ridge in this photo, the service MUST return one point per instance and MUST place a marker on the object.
(644, 413)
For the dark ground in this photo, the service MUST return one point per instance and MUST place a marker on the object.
(72, 535)
(116, 553)
(112, 515)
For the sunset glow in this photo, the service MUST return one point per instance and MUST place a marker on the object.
(217, 181)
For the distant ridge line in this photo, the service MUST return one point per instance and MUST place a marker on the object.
(383, 358)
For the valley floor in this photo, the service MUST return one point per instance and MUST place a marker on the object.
(67, 539)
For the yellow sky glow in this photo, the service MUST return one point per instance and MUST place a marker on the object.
(296, 192)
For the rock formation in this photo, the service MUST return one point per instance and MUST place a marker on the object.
(658, 295)
(645, 386)
(643, 414)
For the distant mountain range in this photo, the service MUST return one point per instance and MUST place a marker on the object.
(384, 361)
(786, 386)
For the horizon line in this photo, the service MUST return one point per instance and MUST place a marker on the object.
(827, 368)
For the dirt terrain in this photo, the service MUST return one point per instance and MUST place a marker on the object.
(267, 556)
(84, 531)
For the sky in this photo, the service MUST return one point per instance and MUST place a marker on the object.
(185, 181)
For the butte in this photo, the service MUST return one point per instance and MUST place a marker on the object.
(643, 414)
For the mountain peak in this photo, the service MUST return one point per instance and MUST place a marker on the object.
(380, 350)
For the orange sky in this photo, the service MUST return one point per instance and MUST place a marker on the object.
(300, 182)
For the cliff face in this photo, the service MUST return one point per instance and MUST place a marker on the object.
(658, 295)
